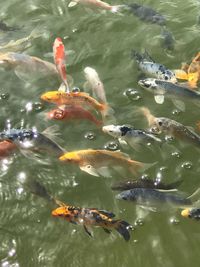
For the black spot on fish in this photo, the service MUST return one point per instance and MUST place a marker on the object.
(124, 130)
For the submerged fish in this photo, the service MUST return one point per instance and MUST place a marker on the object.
(171, 128)
(38, 189)
(93, 217)
(76, 98)
(59, 59)
(6, 148)
(191, 72)
(22, 63)
(147, 14)
(73, 113)
(154, 197)
(134, 137)
(193, 213)
(31, 139)
(150, 67)
(168, 39)
(160, 89)
(144, 183)
(98, 4)
(21, 44)
(99, 162)
(5, 28)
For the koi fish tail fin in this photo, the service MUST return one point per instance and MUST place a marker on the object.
(195, 198)
(136, 167)
(122, 228)
(108, 115)
(136, 56)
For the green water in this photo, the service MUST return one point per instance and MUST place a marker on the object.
(29, 235)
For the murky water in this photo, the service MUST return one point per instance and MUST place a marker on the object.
(29, 235)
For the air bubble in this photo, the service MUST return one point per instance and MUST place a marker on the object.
(76, 89)
(90, 136)
(176, 154)
(4, 96)
(139, 222)
(187, 165)
(111, 146)
(132, 94)
(174, 221)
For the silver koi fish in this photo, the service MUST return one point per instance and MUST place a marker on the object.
(150, 67)
(133, 137)
(160, 89)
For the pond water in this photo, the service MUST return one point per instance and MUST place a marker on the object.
(29, 235)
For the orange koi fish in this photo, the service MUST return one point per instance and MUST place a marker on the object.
(190, 72)
(59, 59)
(96, 3)
(97, 162)
(76, 98)
(93, 217)
(6, 148)
(72, 112)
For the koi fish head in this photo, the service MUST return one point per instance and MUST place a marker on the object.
(56, 114)
(71, 157)
(191, 213)
(52, 96)
(160, 125)
(116, 130)
(60, 212)
(149, 84)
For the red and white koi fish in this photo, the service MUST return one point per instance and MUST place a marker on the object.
(59, 59)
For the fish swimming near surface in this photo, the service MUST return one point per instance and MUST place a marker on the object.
(59, 59)
(94, 82)
(66, 113)
(24, 64)
(134, 137)
(150, 67)
(154, 197)
(170, 128)
(93, 217)
(193, 213)
(191, 72)
(147, 14)
(174, 91)
(6, 149)
(98, 4)
(99, 162)
(144, 183)
(32, 140)
(76, 98)
(21, 44)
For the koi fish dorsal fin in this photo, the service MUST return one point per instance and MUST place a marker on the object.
(107, 213)
(122, 154)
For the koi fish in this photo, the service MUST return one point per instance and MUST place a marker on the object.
(25, 64)
(193, 213)
(93, 217)
(171, 128)
(168, 39)
(72, 112)
(97, 162)
(147, 14)
(96, 3)
(150, 67)
(21, 44)
(160, 89)
(31, 139)
(76, 99)
(6, 148)
(133, 137)
(145, 183)
(59, 59)
(154, 197)
(191, 72)
(94, 82)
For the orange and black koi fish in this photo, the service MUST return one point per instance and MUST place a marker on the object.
(93, 217)
(59, 59)
(193, 213)
(73, 113)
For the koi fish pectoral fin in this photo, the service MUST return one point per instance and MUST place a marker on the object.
(159, 99)
(179, 104)
(87, 231)
(90, 169)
